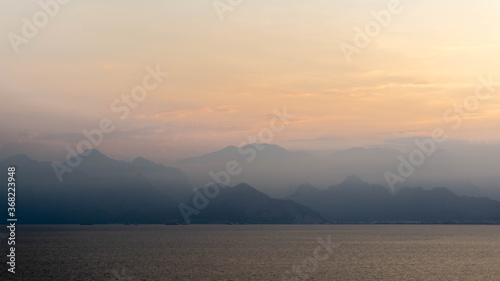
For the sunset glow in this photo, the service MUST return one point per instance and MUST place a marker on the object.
(226, 77)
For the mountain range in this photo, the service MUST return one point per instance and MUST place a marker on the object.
(278, 172)
(354, 201)
(104, 190)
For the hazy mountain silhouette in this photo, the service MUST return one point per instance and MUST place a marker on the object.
(278, 172)
(269, 168)
(245, 204)
(131, 200)
(171, 181)
(100, 190)
(104, 190)
(354, 201)
(272, 152)
(40, 173)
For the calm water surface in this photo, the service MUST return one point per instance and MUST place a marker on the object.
(254, 252)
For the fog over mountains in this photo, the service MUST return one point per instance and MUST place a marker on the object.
(259, 183)
(354, 201)
(278, 172)
(100, 190)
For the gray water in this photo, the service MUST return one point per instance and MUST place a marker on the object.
(255, 252)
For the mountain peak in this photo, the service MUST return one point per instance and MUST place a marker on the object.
(142, 161)
(229, 148)
(244, 186)
(248, 191)
(234, 153)
(95, 157)
(19, 159)
(353, 180)
(93, 153)
(306, 187)
(266, 146)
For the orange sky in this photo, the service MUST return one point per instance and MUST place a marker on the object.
(226, 77)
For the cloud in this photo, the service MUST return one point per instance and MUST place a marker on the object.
(187, 112)
(69, 137)
(385, 86)
(314, 140)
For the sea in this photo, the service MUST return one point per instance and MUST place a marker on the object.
(253, 252)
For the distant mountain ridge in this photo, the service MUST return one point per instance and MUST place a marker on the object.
(268, 167)
(171, 181)
(354, 201)
(97, 167)
(104, 190)
(244, 204)
(277, 171)
(99, 190)
(241, 154)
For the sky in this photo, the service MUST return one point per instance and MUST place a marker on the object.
(228, 75)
